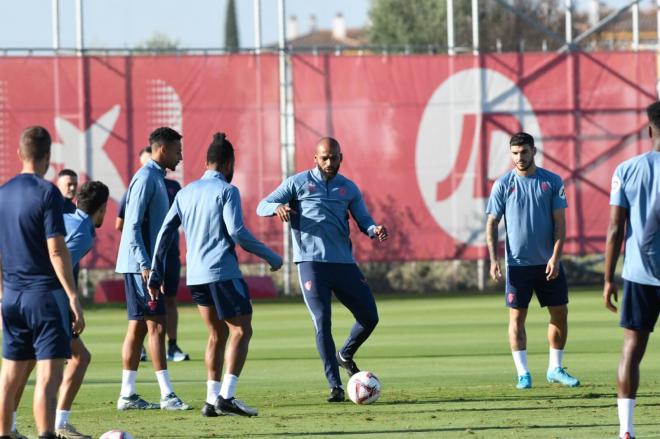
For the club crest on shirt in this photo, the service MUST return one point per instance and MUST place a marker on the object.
(545, 186)
(510, 297)
(308, 285)
(311, 187)
(562, 193)
(364, 281)
(512, 188)
(342, 191)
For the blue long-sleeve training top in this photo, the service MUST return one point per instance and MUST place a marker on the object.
(320, 223)
(146, 197)
(210, 211)
(80, 235)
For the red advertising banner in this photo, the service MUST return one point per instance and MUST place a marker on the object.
(424, 137)
(100, 111)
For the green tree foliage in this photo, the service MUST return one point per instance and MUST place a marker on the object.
(416, 22)
(501, 30)
(231, 27)
(159, 43)
(424, 22)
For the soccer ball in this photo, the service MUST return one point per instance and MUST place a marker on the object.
(116, 434)
(364, 388)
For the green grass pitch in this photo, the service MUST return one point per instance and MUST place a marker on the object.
(444, 364)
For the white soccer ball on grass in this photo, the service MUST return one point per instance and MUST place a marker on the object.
(116, 434)
(364, 388)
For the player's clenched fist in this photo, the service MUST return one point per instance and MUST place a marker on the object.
(380, 232)
(284, 212)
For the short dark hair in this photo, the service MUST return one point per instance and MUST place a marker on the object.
(35, 143)
(145, 150)
(163, 135)
(91, 196)
(522, 139)
(67, 173)
(653, 113)
(220, 150)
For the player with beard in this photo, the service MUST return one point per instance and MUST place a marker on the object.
(146, 198)
(533, 202)
(317, 203)
(210, 211)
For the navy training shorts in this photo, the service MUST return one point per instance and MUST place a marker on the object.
(523, 282)
(137, 298)
(36, 325)
(640, 306)
(231, 298)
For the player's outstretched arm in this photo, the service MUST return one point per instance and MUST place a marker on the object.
(277, 202)
(166, 236)
(491, 241)
(615, 234)
(61, 261)
(649, 247)
(363, 219)
(559, 233)
(232, 214)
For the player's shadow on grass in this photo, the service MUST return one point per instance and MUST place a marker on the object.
(433, 430)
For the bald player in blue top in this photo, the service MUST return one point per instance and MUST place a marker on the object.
(317, 203)
(533, 202)
(635, 186)
(210, 211)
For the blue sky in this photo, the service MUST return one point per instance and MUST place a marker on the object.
(195, 23)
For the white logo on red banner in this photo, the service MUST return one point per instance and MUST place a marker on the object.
(86, 150)
(454, 170)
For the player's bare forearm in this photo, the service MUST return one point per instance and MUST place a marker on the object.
(615, 234)
(559, 219)
(491, 237)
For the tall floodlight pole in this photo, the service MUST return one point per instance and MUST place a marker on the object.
(55, 11)
(568, 4)
(450, 27)
(635, 26)
(657, 4)
(80, 40)
(475, 27)
(257, 26)
(284, 137)
(86, 157)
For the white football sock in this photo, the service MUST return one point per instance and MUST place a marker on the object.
(61, 418)
(520, 360)
(555, 359)
(127, 383)
(13, 421)
(626, 408)
(228, 388)
(163, 377)
(212, 391)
